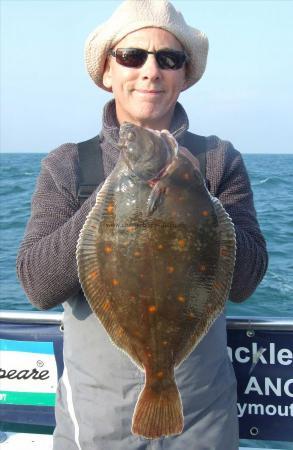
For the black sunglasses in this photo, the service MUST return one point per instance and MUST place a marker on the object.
(136, 57)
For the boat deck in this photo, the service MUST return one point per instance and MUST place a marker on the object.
(21, 441)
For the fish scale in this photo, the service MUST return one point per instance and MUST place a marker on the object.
(155, 260)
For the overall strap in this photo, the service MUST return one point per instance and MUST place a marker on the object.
(197, 145)
(91, 167)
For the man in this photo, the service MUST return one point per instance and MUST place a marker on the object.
(145, 54)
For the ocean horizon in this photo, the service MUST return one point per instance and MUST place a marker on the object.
(242, 153)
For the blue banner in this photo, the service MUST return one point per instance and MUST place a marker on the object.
(31, 364)
(263, 364)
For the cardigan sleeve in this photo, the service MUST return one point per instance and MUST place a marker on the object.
(46, 264)
(232, 186)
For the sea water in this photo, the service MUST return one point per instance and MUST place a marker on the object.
(272, 184)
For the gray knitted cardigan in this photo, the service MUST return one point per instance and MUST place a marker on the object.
(46, 263)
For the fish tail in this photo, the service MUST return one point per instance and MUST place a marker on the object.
(158, 413)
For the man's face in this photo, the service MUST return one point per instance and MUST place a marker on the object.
(147, 95)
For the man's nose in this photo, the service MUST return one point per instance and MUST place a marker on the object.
(151, 69)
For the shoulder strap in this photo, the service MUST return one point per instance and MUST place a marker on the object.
(197, 145)
(91, 167)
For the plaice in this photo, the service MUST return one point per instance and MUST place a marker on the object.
(155, 260)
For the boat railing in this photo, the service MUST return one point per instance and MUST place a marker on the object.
(25, 317)
(233, 322)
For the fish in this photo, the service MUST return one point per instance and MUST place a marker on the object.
(155, 260)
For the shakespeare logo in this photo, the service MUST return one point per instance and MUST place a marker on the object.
(28, 373)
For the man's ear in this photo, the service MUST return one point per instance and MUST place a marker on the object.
(107, 75)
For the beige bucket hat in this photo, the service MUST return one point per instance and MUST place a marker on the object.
(132, 15)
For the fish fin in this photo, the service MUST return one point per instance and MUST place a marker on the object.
(227, 249)
(155, 199)
(102, 306)
(221, 285)
(91, 280)
(158, 413)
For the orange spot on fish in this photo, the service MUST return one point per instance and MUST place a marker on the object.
(110, 208)
(106, 305)
(120, 332)
(181, 243)
(205, 213)
(160, 246)
(115, 282)
(181, 298)
(202, 268)
(191, 315)
(165, 342)
(224, 252)
(160, 374)
(130, 229)
(136, 253)
(93, 274)
(152, 309)
(108, 249)
(170, 269)
(149, 355)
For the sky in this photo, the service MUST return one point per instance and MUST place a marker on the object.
(245, 95)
